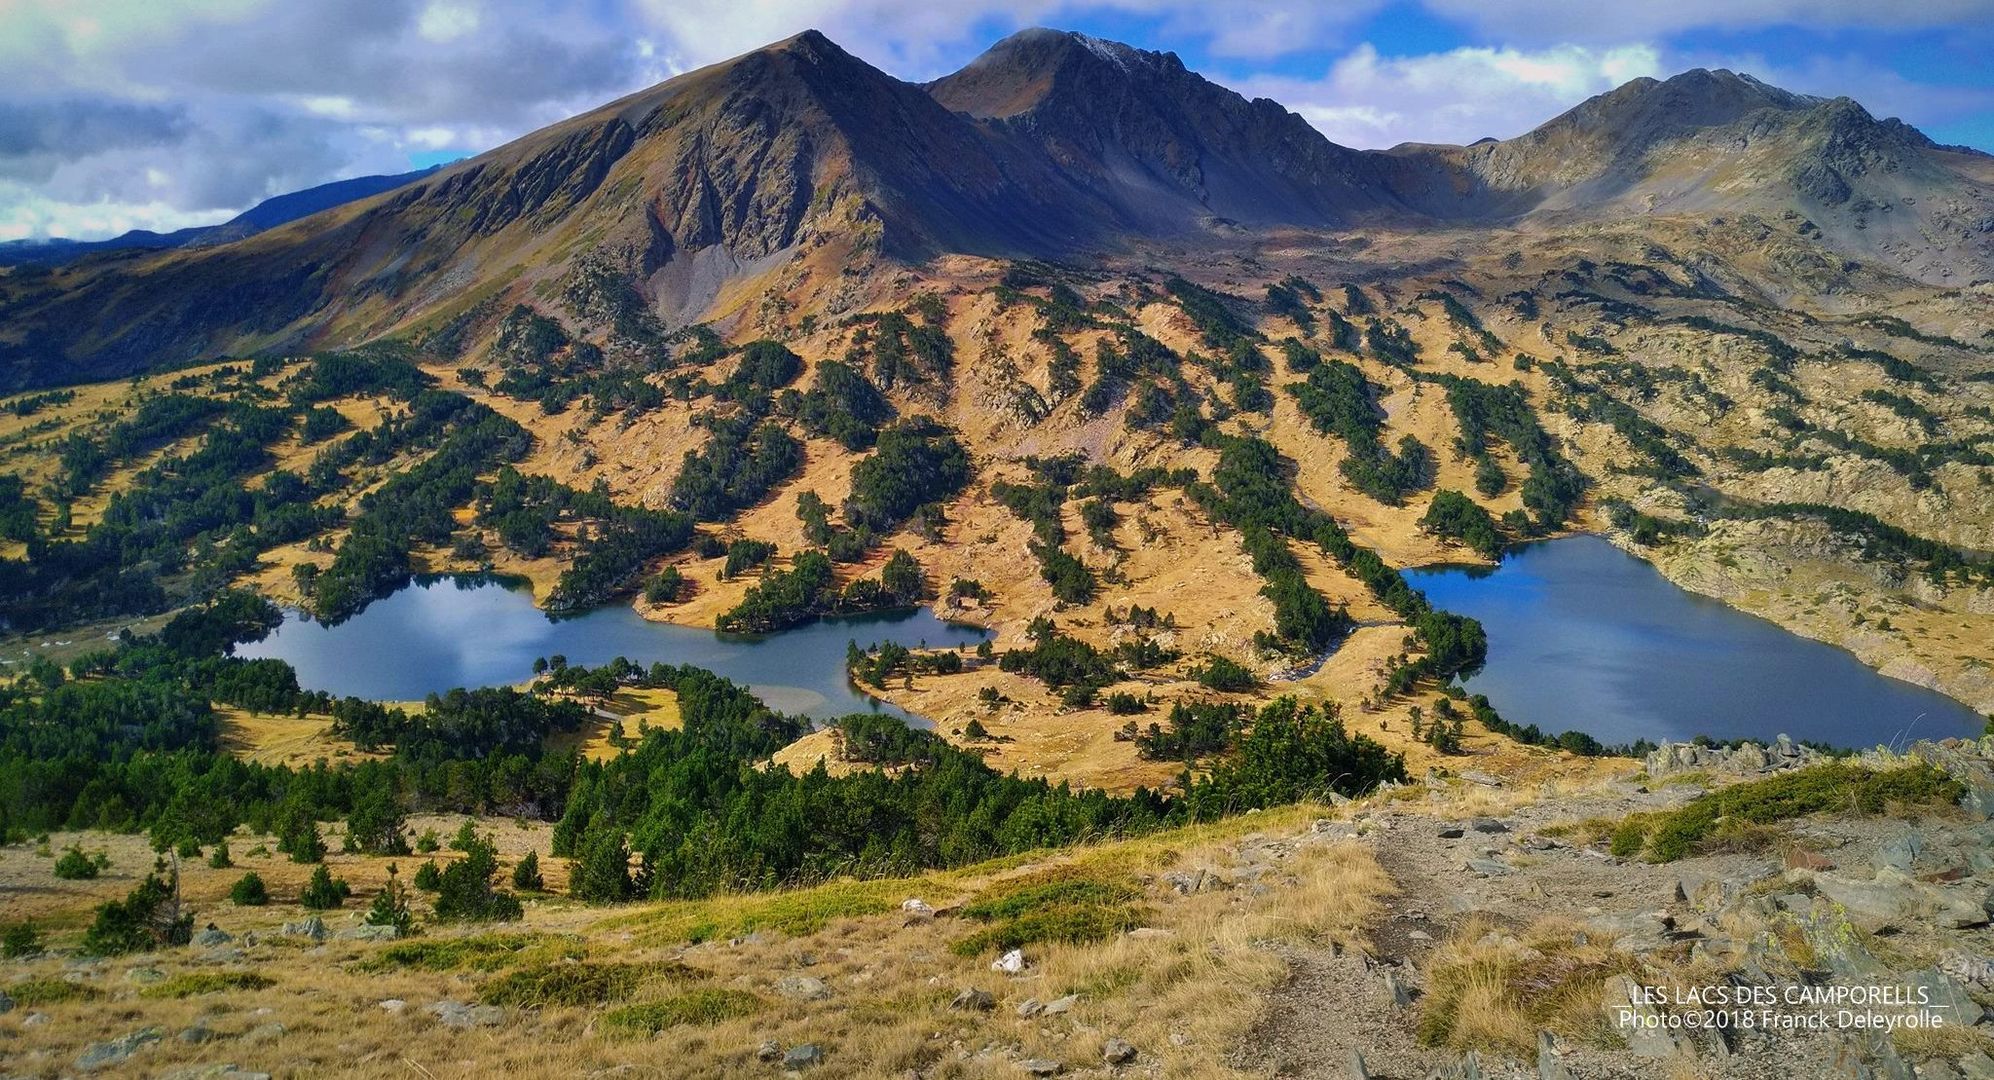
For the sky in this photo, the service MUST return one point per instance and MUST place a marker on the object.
(160, 114)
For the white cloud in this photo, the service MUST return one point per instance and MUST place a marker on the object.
(444, 20)
(1595, 21)
(1367, 100)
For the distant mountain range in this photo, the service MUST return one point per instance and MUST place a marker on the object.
(1050, 144)
(267, 214)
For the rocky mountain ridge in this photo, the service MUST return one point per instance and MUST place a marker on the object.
(1049, 145)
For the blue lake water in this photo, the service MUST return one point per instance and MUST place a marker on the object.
(441, 633)
(1583, 636)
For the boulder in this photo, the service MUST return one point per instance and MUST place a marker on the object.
(213, 936)
(311, 927)
(970, 999)
(802, 1056)
(456, 1014)
(1118, 1052)
(1061, 1005)
(1011, 963)
(117, 1051)
(802, 988)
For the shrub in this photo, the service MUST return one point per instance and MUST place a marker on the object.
(526, 876)
(36, 993)
(390, 907)
(219, 858)
(324, 892)
(21, 939)
(464, 890)
(705, 1006)
(1836, 786)
(148, 917)
(1222, 674)
(249, 891)
(1064, 904)
(570, 983)
(477, 952)
(428, 876)
(75, 866)
(427, 842)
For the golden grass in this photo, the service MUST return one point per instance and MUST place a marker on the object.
(1494, 990)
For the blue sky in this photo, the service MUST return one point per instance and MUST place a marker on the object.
(118, 114)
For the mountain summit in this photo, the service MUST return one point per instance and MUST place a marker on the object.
(1049, 144)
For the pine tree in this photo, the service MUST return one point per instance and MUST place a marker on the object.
(526, 876)
(148, 917)
(391, 908)
(602, 873)
(249, 891)
(324, 892)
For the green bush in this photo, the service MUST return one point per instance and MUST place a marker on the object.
(428, 876)
(1837, 786)
(149, 916)
(477, 952)
(249, 891)
(568, 983)
(324, 892)
(21, 939)
(74, 865)
(36, 993)
(704, 1006)
(1065, 904)
(526, 875)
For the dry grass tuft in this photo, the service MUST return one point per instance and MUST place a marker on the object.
(1494, 991)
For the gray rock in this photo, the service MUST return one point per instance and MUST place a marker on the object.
(1030, 1007)
(213, 1072)
(1488, 825)
(36, 1019)
(1011, 963)
(1891, 897)
(213, 936)
(145, 976)
(1635, 1022)
(971, 999)
(1118, 1052)
(1964, 966)
(1395, 991)
(1358, 1070)
(1487, 867)
(769, 1050)
(196, 1035)
(370, 932)
(1061, 1005)
(6, 1003)
(1453, 832)
(392, 1005)
(311, 927)
(802, 1057)
(1549, 1065)
(1977, 1066)
(1041, 1067)
(117, 1051)
(456, 1014)
(263, 1033)
(1634, 931)
(1947, 994)
(1901, 852)
(802, 988)
(1186, 882)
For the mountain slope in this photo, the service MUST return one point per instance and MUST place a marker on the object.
(1707, 142)
(1164, 144)
(1050, 144)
